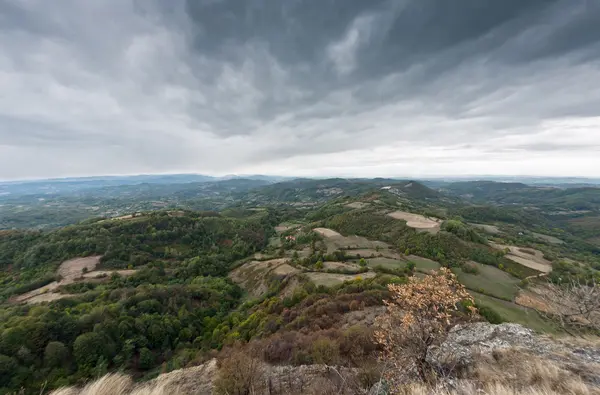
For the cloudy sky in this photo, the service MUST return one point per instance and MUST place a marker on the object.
(299, 87)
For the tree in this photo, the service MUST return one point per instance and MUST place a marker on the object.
(419, 315)
(319, 265)
(362, 262)
(574, 305)
(8, 366)
(146, 358)
(88, 348)
(240, 374)
(55, 354)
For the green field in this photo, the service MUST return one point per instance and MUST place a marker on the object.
(511, 312)
(424, 264)
(387, 263)
(490, 280)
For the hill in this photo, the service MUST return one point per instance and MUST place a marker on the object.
(299, 269)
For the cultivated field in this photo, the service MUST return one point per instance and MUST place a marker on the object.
(548, 238)
(333, 279)
(335, 241)
(417, 221)
(256, 276)
(327, 232)
(490, 280)
(528, 257)
(340, 266)
(511, 312)
(423, 264)
(73, 270)
(493, 229)
(386, 263)
(357, 205)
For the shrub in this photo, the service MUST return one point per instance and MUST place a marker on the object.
(490, 315)
(419, 315)
(325, 351)
(470, 268)
(239, 374)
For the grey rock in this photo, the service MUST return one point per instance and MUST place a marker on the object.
(381, 388)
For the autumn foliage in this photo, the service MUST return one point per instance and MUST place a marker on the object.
(419, 315)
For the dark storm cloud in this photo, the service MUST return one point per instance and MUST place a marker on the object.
(305, 87)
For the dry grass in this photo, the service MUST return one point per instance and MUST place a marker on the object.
(510, 372)
(117, 384)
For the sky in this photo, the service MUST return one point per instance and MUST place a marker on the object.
(299, 87)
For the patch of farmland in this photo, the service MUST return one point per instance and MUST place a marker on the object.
(327, 232)
(512, 312)
(490, 280)
(256, 276)
(69, 271)
(364, 253)
(547, 238)
(357, 205)
(73, 270)
(47, 297)
(528, 257)
(333, 279)
(353, 243)
(341, 266)
(417, 221)
(285, 227)
(386, 263)
(108, 273)
(423, 264)
(492, 229)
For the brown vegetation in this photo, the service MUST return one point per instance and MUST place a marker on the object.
(419, 315)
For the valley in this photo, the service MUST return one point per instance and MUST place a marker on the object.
(277, 265)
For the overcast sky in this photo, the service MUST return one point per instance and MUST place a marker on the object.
(299, 87)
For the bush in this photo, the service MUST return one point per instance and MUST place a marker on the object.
(470, 268)
(419, 315)
(490, 315)
(325, 351)
(239, 374)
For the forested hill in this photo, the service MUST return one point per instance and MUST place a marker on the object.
(298, 268)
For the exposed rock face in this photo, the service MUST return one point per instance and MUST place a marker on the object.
(466, 342)
(194, 380)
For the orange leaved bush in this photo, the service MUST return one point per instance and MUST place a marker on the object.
(419, 315)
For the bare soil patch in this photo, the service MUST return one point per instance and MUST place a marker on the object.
(327, 232)
(285, 227)
(357, 205)
(533, 300)
(332, 279)
(528, 257)
(46, 297)
(70, 271)
(417, 221)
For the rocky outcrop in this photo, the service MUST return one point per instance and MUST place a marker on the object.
(467, 342)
